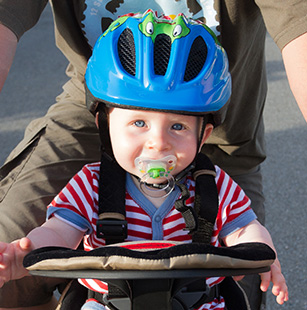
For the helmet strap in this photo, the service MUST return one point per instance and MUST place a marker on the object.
(204, 123)
(103, 122)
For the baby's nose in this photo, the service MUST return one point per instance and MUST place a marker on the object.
(158, 140)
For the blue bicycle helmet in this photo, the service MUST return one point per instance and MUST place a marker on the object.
(172, 65)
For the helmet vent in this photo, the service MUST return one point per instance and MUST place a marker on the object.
(162, 51)
(126, 51)
(196, 59)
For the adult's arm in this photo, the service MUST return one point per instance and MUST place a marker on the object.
(8, 44)
(16, 17)
(286, 22)
(295, 59)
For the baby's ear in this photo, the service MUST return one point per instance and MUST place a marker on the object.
(96, 120)
(207, 133)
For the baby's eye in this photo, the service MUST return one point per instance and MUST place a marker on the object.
(177, 126)
(139, 123)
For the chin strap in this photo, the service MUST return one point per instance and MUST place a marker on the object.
(206, 202)
(187, 212)
(200, 219)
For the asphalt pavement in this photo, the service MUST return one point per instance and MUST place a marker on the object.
(36, 78)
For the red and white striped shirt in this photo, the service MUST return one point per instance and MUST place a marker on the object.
(77, 204)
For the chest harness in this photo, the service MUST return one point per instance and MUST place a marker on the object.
(199, 221)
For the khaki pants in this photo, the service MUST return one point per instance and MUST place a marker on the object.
(54, 148)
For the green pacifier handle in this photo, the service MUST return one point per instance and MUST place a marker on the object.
(156, 172)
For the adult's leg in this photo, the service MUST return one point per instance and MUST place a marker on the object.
(251, 183)
(54, 148)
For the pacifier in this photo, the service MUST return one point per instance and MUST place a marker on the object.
(157, 180)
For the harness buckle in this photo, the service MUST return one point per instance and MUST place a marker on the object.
(113, 231)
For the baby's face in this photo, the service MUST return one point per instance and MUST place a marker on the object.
(153, 135)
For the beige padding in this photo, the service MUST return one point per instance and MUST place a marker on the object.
(111, 215)
(193, 261)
